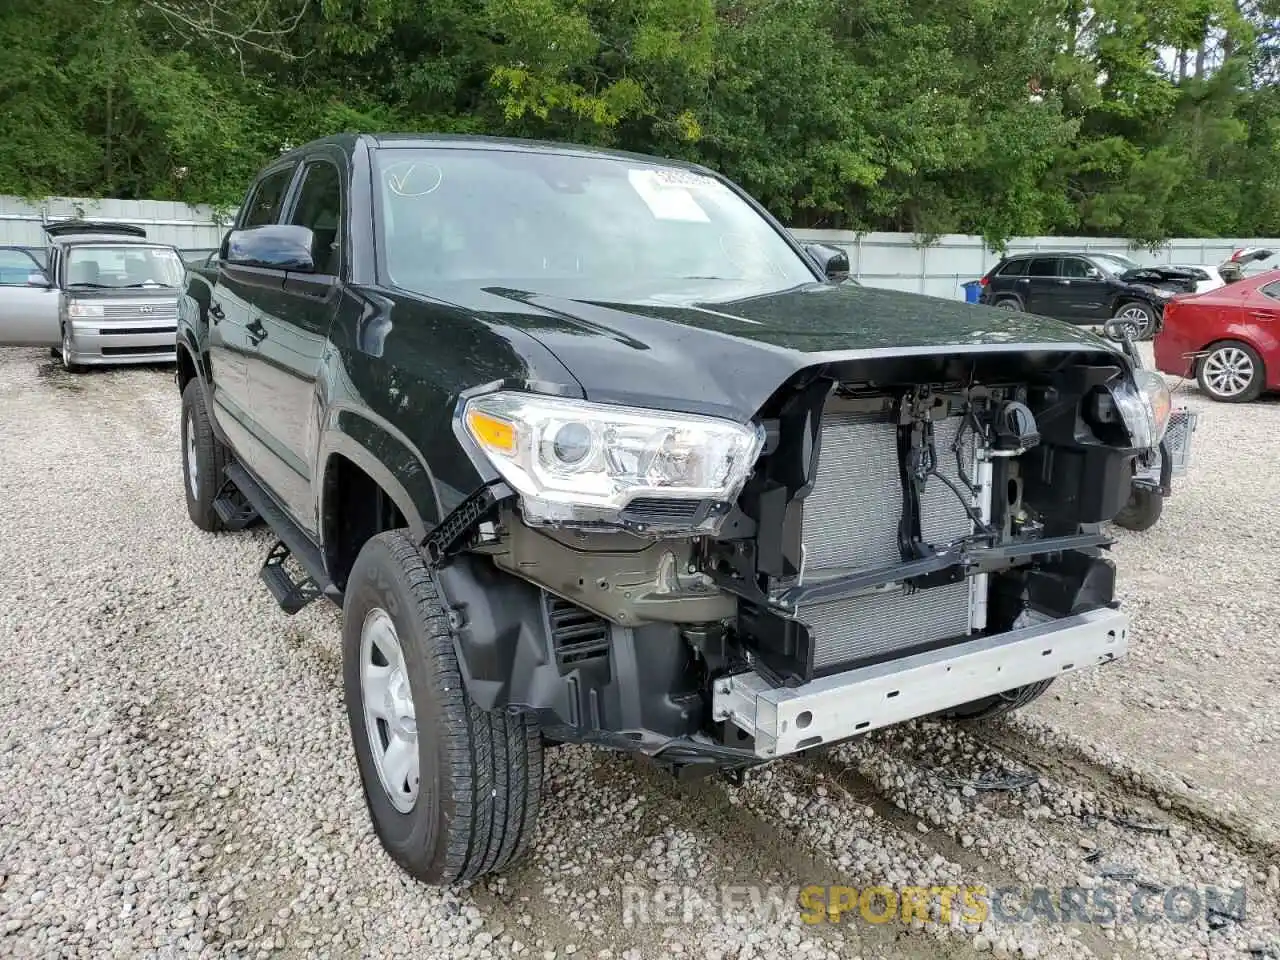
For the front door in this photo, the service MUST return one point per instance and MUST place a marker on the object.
(291, 341)
(28, 302)
(234, 309)
(1084, 292)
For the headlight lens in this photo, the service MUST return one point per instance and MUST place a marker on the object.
(573, 461)
(1145, 404)
(84, 310)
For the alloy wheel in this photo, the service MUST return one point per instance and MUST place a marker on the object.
(193, 462)
(1228, 371)
(389, 718)
(1136, 320)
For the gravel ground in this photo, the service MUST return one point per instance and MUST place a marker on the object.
(176, 777)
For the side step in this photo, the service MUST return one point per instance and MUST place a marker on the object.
(290, 592)
(232, 507)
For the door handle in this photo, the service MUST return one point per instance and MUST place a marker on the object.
(215, 312)
(1263, 315)
(1063, 282)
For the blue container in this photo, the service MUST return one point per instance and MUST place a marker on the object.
(972, 291)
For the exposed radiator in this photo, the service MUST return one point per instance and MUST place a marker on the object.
(851, 522)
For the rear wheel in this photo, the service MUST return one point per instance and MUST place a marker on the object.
(1139, 318)
(453, 791)
(1232, 372)
(204, 458)
(1009, 303)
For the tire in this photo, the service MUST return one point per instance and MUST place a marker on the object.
(989, 707)
(1009, 303)
(472, 806)
(1142, 316)
(1142, 511)
(204, 454)
(1214, 372)
(64, 354)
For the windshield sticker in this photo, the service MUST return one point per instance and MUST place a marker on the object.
(413, 178)
(666, 198)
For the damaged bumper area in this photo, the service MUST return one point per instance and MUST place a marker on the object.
(784, 720)
(911, 535)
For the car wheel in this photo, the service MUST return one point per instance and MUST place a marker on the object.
(204, 458)
(452, 790)
(1232, 372)
(1009, 303)
(67, 352)
(1140, 318)
(1142, 511)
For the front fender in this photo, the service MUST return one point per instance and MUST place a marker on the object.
(389, 459)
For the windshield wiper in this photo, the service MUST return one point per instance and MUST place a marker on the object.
(89, 283)
(145, 283)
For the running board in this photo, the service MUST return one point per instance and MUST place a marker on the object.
(290, 592)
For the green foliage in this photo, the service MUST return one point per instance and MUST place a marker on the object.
(1144, 118)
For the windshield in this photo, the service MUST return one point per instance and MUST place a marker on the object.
(576, 226)
(123, 265)
(1114, 263)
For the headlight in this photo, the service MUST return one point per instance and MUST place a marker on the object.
(573, 461)
(1162, 294)
(1145, 405)
(80, 311)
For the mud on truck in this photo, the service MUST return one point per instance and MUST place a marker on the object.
(590, 449)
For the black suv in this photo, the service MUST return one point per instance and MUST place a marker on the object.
(589, 449)
(1082, 288)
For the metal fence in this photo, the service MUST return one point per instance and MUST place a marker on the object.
(900, 262)
(184, 226)
(895, 260)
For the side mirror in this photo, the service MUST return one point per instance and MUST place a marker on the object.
(275, 246)
(1093, 273)
(37, 279)
(832, 261)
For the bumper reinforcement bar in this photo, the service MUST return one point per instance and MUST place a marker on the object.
(783, 720)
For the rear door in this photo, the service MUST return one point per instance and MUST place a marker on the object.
(1044, 287)
(294, 326)
(28, 310)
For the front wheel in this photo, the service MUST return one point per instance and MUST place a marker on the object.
(1138, 318)
(453, 791)
(1142, 511)
(68, 352)
(1232, 372)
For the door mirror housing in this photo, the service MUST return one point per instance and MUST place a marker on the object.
(832, 261)
(276, 246)
(37, 278)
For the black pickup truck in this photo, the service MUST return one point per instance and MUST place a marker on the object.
(590, 449)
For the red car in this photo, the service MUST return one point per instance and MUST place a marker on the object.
(1228, 338)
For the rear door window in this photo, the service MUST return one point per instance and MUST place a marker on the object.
(268, 197)
(1044, 267)
(1014, 268)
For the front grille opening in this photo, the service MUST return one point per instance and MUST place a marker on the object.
(577, 635)
(134, 331)
(659, 511)
(163, 348)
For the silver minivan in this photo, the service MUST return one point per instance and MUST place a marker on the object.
(114, 296)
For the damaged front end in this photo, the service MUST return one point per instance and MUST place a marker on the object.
(889, 537)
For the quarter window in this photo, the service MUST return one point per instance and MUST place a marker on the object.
(1272, 290)
(267, 199)
(319, 208)
(1014, 268)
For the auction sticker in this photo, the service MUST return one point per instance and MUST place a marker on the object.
(669, 193)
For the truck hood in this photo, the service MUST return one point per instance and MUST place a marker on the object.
(727, 357)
